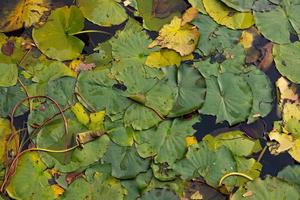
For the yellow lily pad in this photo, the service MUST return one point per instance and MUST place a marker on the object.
(15, 14)
(227, 16)
(181, 38)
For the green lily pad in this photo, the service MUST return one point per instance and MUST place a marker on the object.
(112, 13)
(167, 141)
(125, 161)
(9, 97)
(149, 108)
(98, 91)
(55, 37)
(133, 38)
(101, 187)
(286, 60)
(233, 140)
(262, 93)
(9, 74)
(52, 137)
(285, 18)
(62, 90)
(159, 194)
(155, 13)
(270, 188)
(118, 133)
(25, 188)
(229, 97)
(214, 37)
(290, 174)
(202, 161)
(189, 87)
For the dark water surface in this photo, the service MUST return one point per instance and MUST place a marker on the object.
(271, 164)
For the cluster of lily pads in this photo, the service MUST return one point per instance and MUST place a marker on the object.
(118, 123)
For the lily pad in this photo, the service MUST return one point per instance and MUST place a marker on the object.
(55, 37)
(98, 91)
(167, 141)
(183, 38)
(189, 87)
(262, 93)
(284, 17)
(20, 187)
(16, 14)
(101, 187)
(229, 97)
(112, 13)
(9, 97)
(286, 60)
(270, 188)
(214, 37)
(290, 174)
(227, 16)
(125, 161)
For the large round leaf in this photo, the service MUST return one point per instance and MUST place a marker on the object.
(30, 181)
(101, 187)
(52, 137)
(167, 141)
(159, 194)
(202, 161)
(112, 13)
(284, 18)
(98, 91)
(214, 37)
(55, 38)
(149, 108)
(227, 16)
(189, 87)
(287, 60)
(229, 97)
(125, 161)
(270, 188)
(262, 93)
(14, 14)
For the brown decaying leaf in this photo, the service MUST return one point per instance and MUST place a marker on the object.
(267, 57)
(71, 177)
(85, 67)
(85, 137)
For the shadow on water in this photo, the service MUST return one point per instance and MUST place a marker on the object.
(271, 164)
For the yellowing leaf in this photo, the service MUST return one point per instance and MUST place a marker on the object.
(295, 151)
(58, 191)
(287, 90)
(25, 12)
(182, 39)
(80, 113)
(246, 39)
(74, 64)
(190, 140)
(226, 16)
(163, 58)
(285, 142)
(97, 120)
